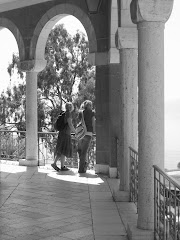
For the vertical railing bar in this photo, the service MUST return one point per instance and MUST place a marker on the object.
(154, 204)
(159, 205)
(167, 218)
(12, 147)
(133, 176)
(175, 211)
(0, 145)
(164, 208)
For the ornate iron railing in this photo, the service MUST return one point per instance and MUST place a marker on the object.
(47, 144)
(166, 206)
(133, 175)
(13, 147)
(118, 156)
(12, 144)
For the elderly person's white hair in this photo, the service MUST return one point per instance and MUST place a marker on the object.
(69, 106)
(86, 104)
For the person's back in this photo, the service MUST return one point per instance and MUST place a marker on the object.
(88, 115)
(64, 145)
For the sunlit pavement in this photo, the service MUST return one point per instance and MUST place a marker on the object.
(40, 203)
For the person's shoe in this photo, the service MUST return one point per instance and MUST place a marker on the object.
(86, 166)
(81, 171)
(64, 168)
(55, 167)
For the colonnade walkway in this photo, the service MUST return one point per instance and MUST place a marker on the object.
(39, 203)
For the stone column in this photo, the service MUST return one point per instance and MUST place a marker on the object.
(31, 118)
(102, 119)
(128, 108)
(150, 17)
(114, 116)
(128, 100)
(100, 60)
(32, 70)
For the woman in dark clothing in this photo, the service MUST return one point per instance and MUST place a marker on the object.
(64, 144)
(84, 143)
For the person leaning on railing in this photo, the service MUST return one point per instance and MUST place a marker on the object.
(85, 142)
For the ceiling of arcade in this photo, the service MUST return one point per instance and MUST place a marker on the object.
(31, 22)
(6, 5)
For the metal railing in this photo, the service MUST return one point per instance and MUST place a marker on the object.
(166, 206)
(47, 143)
(133, 175)
(12, 144)
(13, 147)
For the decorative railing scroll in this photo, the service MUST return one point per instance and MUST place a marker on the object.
(13, 147)
(133, 175)
(166, 206)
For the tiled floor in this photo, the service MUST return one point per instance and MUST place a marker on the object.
(38, 203)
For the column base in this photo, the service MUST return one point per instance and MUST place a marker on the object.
(101, 168)
(135, 233)
(121, 196)
(113, 172)
(28, 163)
(105, 169)
(129, 216)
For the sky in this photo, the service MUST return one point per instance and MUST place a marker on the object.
(171, 59)
(8, 45)
(172, 53)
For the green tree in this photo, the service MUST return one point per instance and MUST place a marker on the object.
(67, 67)
(14, 105)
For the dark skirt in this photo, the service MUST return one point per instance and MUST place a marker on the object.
(64, 145)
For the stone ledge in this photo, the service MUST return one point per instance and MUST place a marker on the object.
(28, 163)
(113, 172)
(121, 196)
(128, 213)
(105, 169)
(102, 168)
(137, 234)
(118, 196)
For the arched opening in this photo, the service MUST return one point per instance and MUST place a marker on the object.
(67, 77)
(11, 101)
(9, 80)
(8, 45)
(50, 19)
(43, 40)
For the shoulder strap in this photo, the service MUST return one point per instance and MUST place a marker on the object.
(83, 119)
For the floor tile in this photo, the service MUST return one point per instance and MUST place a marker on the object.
(37, 203)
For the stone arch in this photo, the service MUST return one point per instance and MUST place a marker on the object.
(6, 23)
(49, 19)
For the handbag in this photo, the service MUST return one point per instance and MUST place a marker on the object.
(81, 129)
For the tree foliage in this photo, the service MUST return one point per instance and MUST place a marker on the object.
(67, 77)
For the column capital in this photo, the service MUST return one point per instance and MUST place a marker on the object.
(127, 38)
(150, 10)
(32, 65)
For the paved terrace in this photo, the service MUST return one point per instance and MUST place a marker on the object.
(39, 203)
